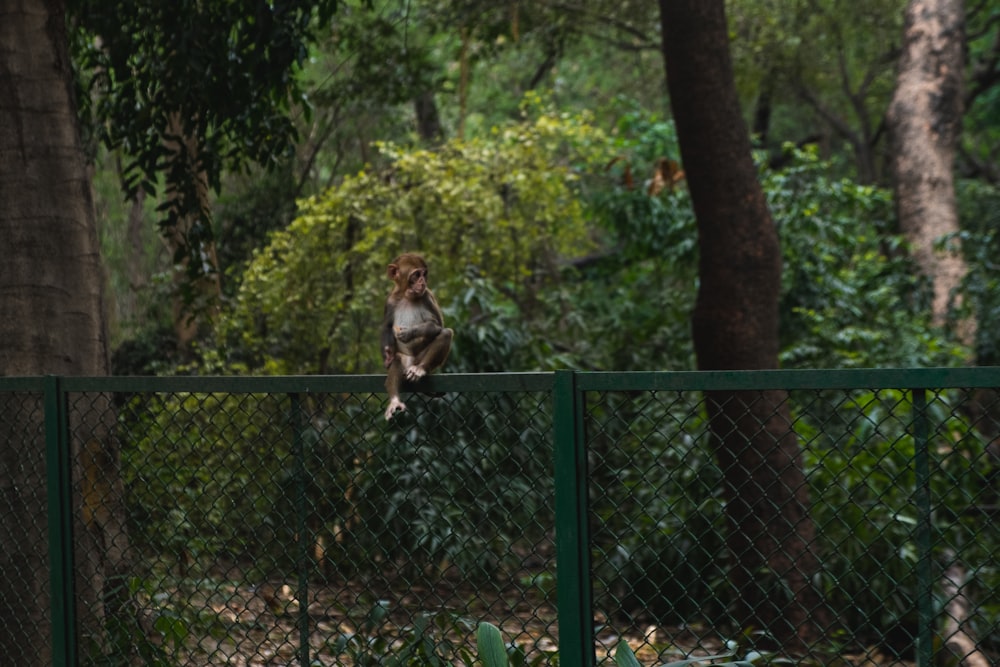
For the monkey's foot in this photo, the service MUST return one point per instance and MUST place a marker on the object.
(415, 373)
(395, 405)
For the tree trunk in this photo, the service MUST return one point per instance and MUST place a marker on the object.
(51, 308)
(735, 326)
(464, 68)
(924, 119)
(428, 119)
(955, 633)
(135, 262)
(51, 322)
(197, 284)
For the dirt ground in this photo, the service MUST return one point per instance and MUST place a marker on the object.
(243, 625)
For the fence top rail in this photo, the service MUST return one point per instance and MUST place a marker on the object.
(286, 384)
(22, 384)
(855, 378)
(861, 378)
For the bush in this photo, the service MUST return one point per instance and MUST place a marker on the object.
(505, 208)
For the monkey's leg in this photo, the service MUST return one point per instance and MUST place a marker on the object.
(393, 383)
(433, 356)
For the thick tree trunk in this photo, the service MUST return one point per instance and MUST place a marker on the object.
(924, 119)
(51, 290)
(735, 326)
(51, 322)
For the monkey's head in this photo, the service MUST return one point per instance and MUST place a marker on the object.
(409, 272)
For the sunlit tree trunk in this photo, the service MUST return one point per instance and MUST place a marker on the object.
(51, 322)
(735, 326)
(924, 121)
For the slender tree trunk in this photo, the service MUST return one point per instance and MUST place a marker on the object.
(958, 608)
(135, 263)
(463, 80)
(428, 119)
(51, 322)
(924, 120)
(735, 326)
(198, 287)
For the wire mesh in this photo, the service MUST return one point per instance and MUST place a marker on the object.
(823, 544)
(278, 524)
(24, 562)
(303, 529)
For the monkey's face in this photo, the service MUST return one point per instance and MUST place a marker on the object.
(417, 283)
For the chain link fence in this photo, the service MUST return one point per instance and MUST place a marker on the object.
(829, 517)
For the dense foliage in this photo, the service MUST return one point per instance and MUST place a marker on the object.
(547, 230)
(550, 248)
(506, 209)
(211, 89)
(850, 297)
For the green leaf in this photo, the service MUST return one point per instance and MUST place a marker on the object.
(704, 658)
(490, 644)
(624, 657)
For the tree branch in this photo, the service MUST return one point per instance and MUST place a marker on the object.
(601, 19)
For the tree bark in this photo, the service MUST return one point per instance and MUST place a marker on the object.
(958, 639)
(51, 322)
(197, 283)
(735, 326)
(51, 272)
(924, 120)
(428, 119)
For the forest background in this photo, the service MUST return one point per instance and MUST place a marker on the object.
(408, 117)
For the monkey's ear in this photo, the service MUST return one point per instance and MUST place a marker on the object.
(392, 271)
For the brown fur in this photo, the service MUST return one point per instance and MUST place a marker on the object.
(414, 339)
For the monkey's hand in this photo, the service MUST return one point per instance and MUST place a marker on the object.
(388, 356)
(414, 373)
(395, 405)
(408, 334)
(404, 334)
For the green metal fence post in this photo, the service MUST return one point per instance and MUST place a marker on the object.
(59, 487)
(302, 528)
(573, 583)
(922, 537)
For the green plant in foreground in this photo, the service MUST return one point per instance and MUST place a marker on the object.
(426, 643)
(490, 645)
(624, 657)
(494, 653)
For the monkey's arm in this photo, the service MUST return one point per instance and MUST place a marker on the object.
(388, 336)
(422, 330)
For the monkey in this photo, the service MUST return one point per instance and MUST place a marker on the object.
(414, 339)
